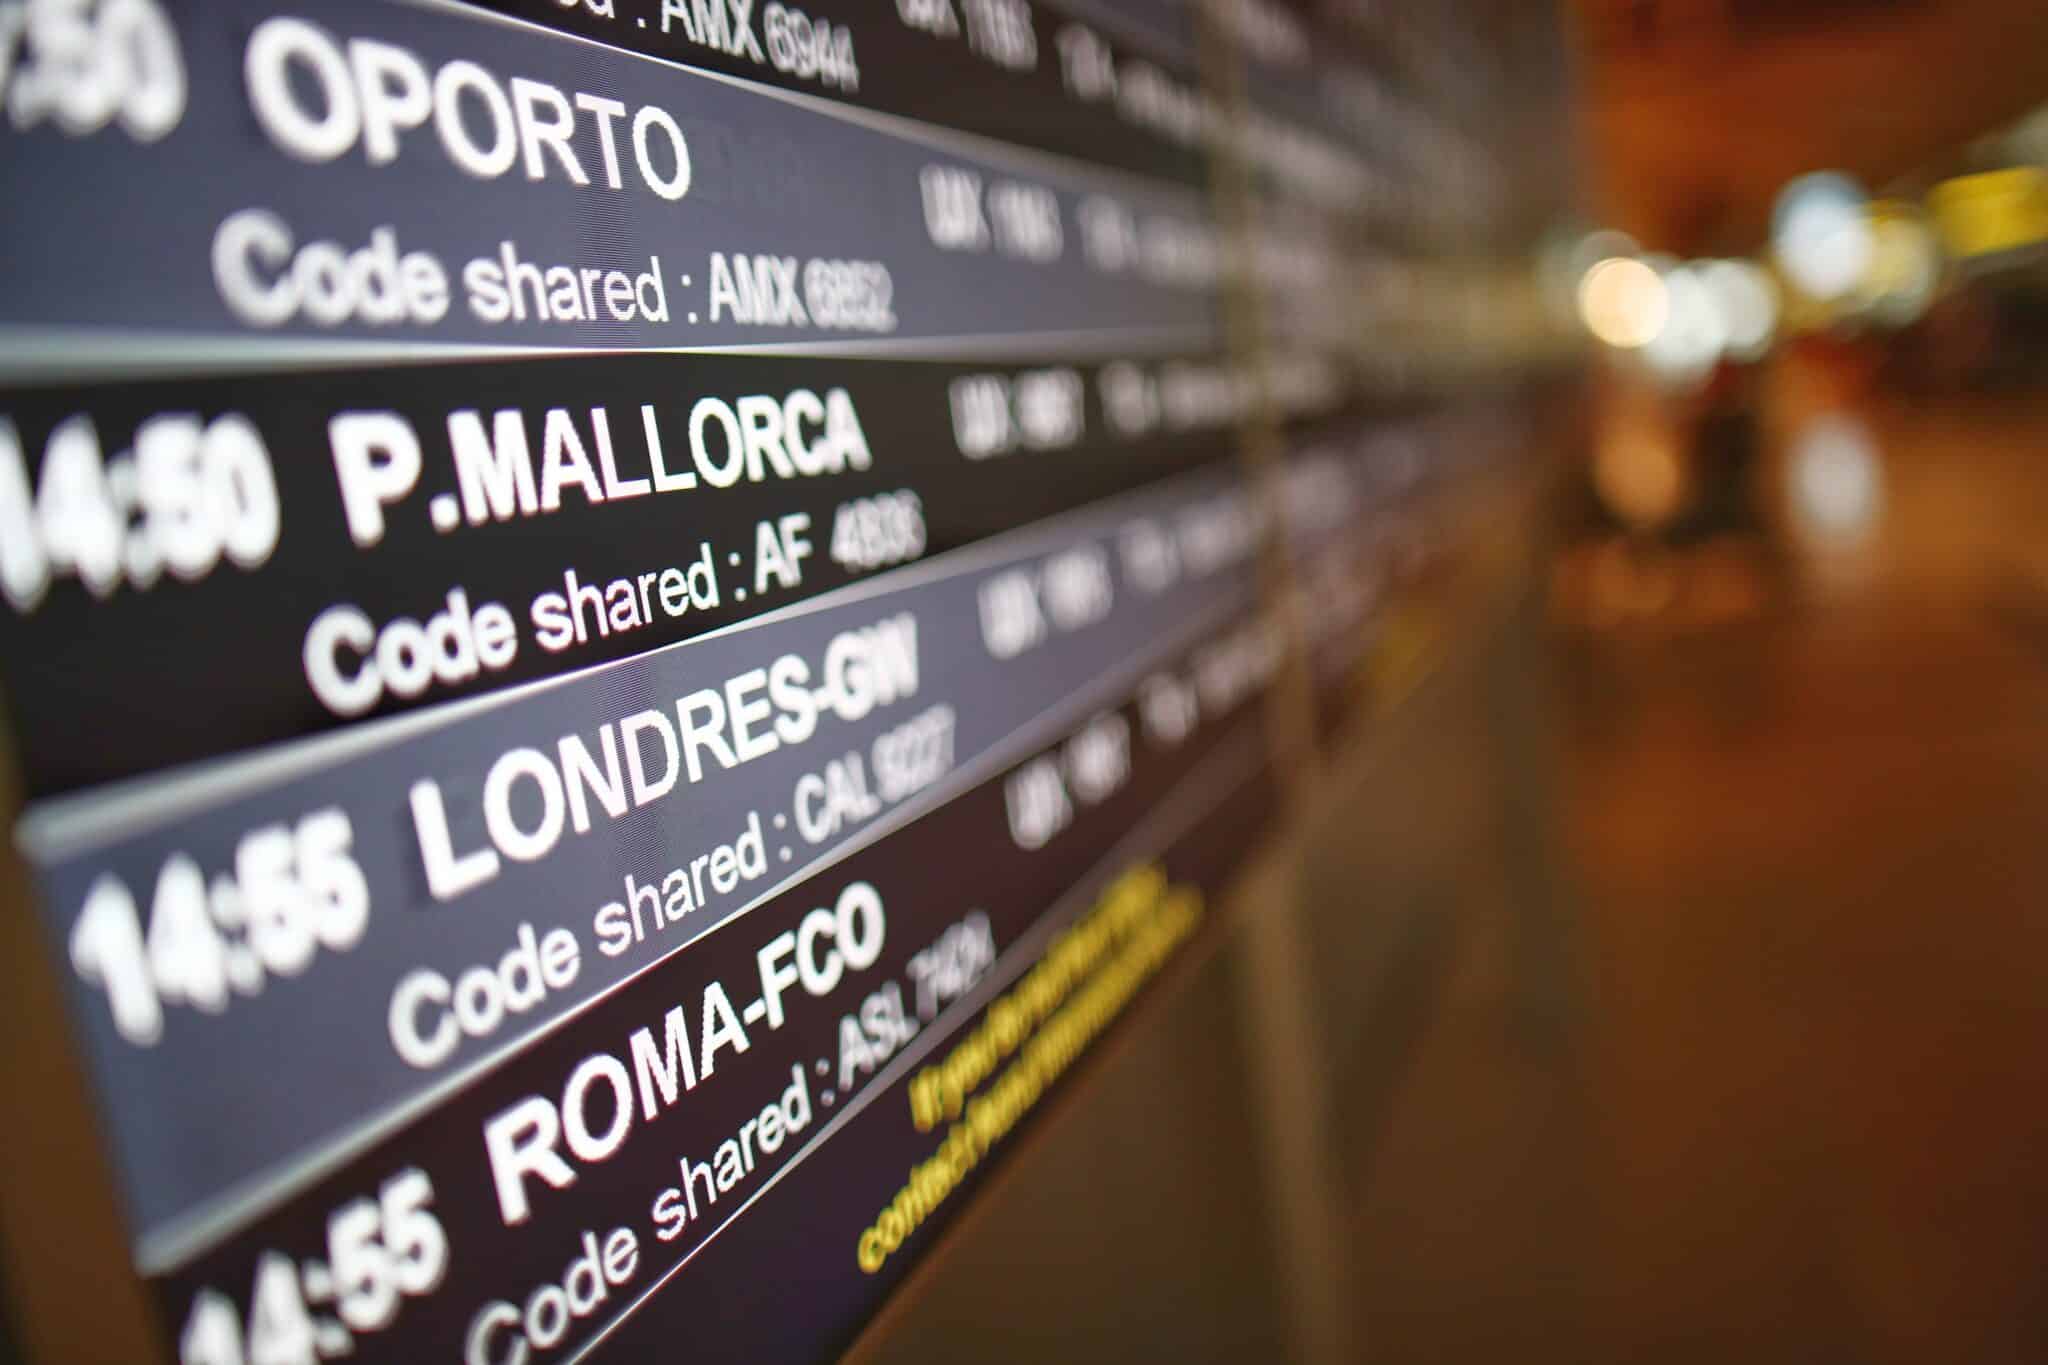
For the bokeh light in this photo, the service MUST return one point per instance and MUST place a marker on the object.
(1624, 302)
(1822, 235)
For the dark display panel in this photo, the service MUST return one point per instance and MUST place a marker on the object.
(630, 625)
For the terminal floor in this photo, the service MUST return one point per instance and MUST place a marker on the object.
(1782, 1098)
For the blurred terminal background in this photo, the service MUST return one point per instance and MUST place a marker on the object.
(1678, 959)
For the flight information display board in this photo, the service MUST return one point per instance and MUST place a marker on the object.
(628, 624)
